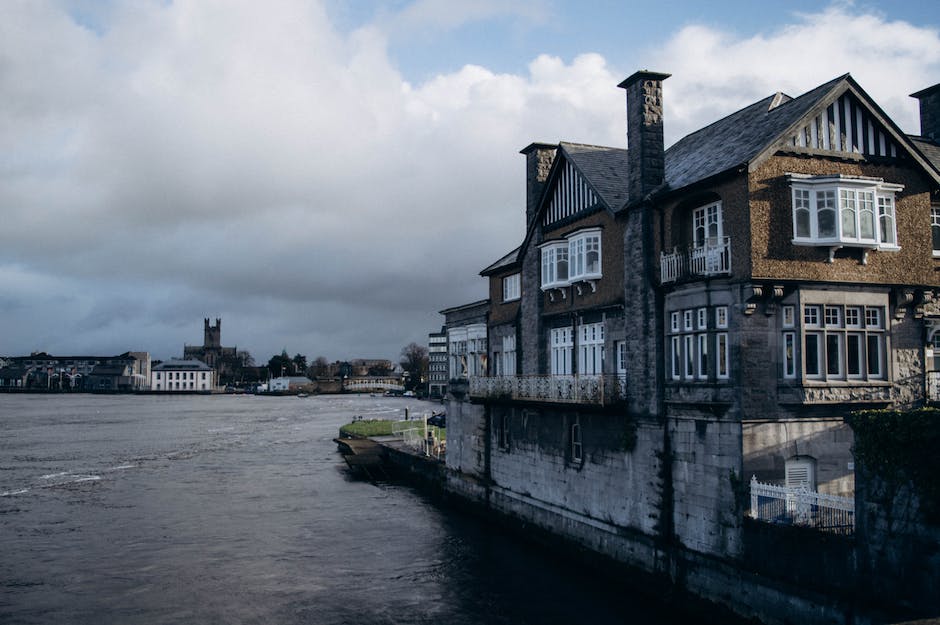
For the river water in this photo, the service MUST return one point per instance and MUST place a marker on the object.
(238, 509)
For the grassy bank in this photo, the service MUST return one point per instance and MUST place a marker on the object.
(382, 427)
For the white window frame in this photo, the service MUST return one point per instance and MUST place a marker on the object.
(843, 342)
(706, 225)
(554, 258)
(722, 356)
(584, 245)
(935, 230)
(562, 346)
(511, 287)
(591, 349)
(853, 202)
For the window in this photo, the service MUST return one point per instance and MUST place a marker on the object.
(622, 359)
(722, 358)
(577, 453)
(562, 345)
(591, 349)
(935, 229)
(508, 356)
(721, 317)
(584, 254)
(511, 287)
(706, 225)
(554, 265)
(690, 354)
(840, 210)
(502, 431)
(789, 355)
(848, 345)
(788, 316)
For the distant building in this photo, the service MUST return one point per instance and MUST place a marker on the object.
(211, 352)
(290, 383)
(188, 375)
(466, 339)
(41, 371)
(437, 363)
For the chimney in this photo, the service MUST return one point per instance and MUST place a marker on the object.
(538, 162)
(929, 112)
(644, 132)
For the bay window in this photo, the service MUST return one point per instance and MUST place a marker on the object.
(844, 211)
(584, 254)
(839, 343)
(554, 264)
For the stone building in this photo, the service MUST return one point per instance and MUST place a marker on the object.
(676, 322)
(211, 352)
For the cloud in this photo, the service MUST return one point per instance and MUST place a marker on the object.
(247, 160)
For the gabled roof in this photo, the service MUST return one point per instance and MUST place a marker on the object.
(758, 131)
(605, 170)
(738, 138)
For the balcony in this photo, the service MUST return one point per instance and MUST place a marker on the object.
(594, 390)
(710, 259)
(933, 386)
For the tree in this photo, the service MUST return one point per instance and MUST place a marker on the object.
(300, 364)
(281, 365)
(414, 361)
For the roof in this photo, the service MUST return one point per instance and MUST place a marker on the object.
(604, 168)
(177, 364)
(738, 138)
(928, 148)
(506, 261)
(480, 303)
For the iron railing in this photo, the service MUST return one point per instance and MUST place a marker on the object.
(709, 259)
(598, 390)
(801, 506)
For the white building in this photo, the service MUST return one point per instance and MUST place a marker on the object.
(175, 375)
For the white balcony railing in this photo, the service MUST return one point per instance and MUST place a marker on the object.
(801, 506)
(933, 385)
(710, 259)
(598, 390)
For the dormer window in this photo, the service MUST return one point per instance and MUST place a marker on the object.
(844, 211)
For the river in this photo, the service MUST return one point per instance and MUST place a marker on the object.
(238, 509)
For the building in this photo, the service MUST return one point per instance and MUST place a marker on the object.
(182, 375)
(40, 371)
(466, 339)
(677, 322)
(437, 364)
(222, 359)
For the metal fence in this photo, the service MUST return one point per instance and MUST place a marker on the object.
(801, 506)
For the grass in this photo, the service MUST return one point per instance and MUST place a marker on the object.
(383, 427)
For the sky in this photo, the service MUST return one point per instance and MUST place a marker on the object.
(327, 175)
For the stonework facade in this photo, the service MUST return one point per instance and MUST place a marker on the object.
(694, 317)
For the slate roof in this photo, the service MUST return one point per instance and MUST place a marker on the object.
(604, 168)
(177, 364)
(738, 138)
(928, 148)
(508, 260)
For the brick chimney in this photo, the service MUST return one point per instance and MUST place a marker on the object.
(929, 112)
(644, 132)
(538, 162)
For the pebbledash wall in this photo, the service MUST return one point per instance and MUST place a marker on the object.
(684, 526)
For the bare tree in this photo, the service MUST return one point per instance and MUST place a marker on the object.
(414, 360)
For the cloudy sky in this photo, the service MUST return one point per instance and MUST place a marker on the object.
(326, 175)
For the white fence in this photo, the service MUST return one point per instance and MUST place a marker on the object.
(416, 437)
(801, 506)
(710, 259)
